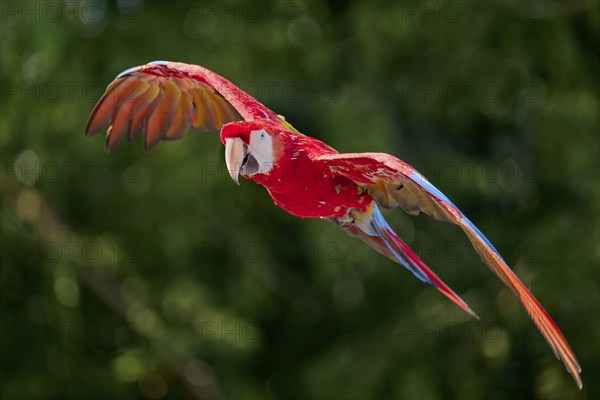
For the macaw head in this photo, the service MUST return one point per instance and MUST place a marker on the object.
(251, 147)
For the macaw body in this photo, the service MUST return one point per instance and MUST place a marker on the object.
(303, 175)
(300, 183)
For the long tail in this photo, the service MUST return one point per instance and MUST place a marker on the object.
(374, 230)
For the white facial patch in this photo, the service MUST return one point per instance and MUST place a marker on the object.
(261, 147)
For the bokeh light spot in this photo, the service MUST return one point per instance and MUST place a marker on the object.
(66, 291)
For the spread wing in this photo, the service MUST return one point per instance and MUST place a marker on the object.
(164, 99)
(393, 183)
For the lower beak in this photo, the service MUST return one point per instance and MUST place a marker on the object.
(234, 155)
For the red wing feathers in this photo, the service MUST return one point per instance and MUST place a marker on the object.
(394, 183)
(164, 100)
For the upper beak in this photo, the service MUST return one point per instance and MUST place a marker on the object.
(235, 151)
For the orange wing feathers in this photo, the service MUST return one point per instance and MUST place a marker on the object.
(394, 183)
(164, 100)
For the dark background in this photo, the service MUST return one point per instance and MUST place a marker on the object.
(133, 275)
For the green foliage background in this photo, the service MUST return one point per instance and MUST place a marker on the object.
(133, 275)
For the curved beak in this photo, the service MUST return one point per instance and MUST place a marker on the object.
(235, 151)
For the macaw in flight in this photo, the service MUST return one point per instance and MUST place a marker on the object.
(303, 175)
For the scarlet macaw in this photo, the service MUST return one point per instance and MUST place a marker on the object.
(303, 175)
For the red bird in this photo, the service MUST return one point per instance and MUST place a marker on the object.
(303, 175)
